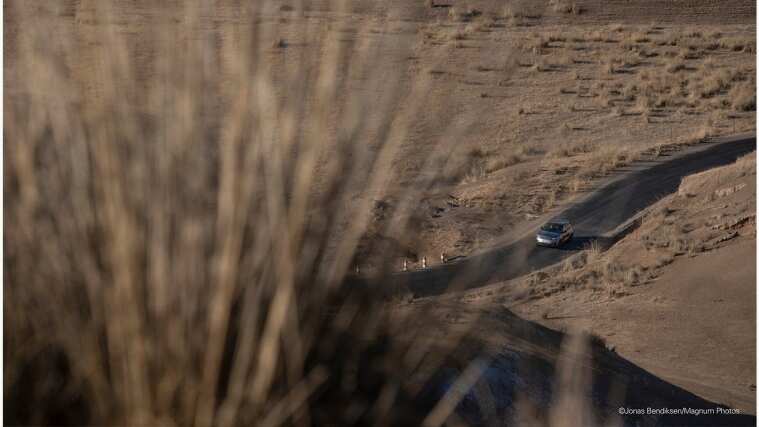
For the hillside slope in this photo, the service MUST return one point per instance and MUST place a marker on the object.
(520, 106)
(677, 296)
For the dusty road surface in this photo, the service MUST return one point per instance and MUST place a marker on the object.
(597, 214)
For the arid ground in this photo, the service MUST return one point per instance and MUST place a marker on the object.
(551, 97)
(677, 296)
(193, 275)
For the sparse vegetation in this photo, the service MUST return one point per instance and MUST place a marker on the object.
(100, 140)
(675, 66)
(565, 6)
(744, 97)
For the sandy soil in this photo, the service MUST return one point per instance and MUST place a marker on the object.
(557, 101)
(551, 101)
(677, 296)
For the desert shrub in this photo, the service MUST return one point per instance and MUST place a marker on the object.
(737, 44)
(594, 253)
(675, 66)
(637, 37)
(600, 36)
(716, 83)
(609, 67)
(565, 6)
(568, 149)
(458, 35)
(695, 34)
(743, 97)
(502, 162)
(629, 60)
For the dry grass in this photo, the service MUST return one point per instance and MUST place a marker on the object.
(743, 97)
(737, 44)
(716, 83)
(565, 6)
(171, 264)
(675, 66)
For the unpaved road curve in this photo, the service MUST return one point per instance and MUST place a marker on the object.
(602, 211)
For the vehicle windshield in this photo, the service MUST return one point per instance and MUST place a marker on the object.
(552, 227)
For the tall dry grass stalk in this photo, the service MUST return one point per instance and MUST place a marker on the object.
(170, 257)
(183, 204)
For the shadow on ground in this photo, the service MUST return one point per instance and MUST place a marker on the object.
(523, 382)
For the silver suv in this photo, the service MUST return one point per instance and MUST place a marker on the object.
(555, 233)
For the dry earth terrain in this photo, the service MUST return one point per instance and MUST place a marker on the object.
(677, 296)
(536, 99)
(535, 102)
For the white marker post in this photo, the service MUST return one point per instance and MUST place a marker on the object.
(442, 257)
(405, 265)
(424, 262)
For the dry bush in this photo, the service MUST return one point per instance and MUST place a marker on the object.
(596, 36)
(578, 183)
(732, 43)
(708, 65)
(567, 149)
(606, 158)
(670, 40)
(743, 97)
(542, 66)
(565, 6)
(629, 60)
(495, 164)
(463, 15)
(689, 54)
(716, 83)
(609, 67)
(702, 132)
(170, 252)
(458, 34)
(637, 38)
(543, 202)
(695, 34)
(554, 37)
(617, 28)
(594, 253)
(675, 66)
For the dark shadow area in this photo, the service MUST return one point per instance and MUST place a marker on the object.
(526, 370)
(577, 243)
